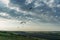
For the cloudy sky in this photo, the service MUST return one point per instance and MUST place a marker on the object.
(30, 15)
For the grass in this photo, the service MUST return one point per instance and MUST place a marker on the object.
(11, 36)
(4, 35)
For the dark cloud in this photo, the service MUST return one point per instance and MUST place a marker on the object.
(41, 13)
(21, 3)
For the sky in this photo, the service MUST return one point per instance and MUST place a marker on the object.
(30, 15)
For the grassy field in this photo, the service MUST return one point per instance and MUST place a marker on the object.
(12, 36)
(29, 35)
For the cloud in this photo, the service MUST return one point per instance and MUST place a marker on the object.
(42, 10)
(4, 14)
(28, 1)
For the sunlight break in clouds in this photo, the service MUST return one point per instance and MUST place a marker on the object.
(6, 2)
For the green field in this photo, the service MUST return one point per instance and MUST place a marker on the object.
(12, 36)
(46, 35)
